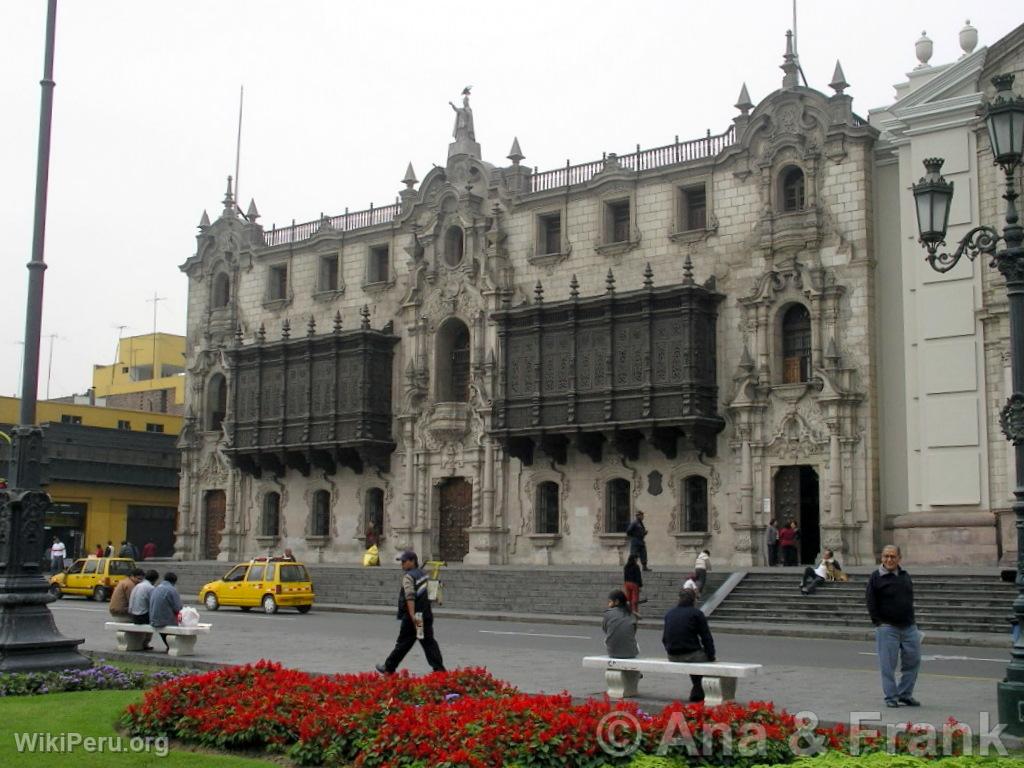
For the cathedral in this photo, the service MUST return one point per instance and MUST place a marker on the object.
(507, 365)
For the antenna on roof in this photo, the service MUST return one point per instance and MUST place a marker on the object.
(796, 51)
(238, 143)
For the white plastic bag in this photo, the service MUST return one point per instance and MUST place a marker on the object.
(189, 617)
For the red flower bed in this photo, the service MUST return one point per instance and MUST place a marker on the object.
(460, 719)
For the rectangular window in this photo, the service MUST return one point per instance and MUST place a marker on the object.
(550, 233)
(124, 425)
(154, 427)
(379, 270)
(617, 499)
(694, 213)
(277, 286)
(695, 504)
(618, 221)
(255, 573)
(67, 418)
(329, 272)
(547, 507)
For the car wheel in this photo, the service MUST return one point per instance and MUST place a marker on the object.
(55, 591)
(303, 608)
(269, 604)
(211, 602)
(99, 594)
(246, 608)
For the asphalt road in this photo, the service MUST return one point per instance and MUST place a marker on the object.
(829, 677)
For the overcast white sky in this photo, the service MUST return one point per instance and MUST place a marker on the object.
(340, 96)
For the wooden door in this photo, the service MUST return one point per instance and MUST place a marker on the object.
(456, 515)
(213, 523)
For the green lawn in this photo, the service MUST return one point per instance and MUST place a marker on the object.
(91, 713)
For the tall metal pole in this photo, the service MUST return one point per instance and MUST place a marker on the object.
(37, 266)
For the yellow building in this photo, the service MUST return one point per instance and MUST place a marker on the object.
(111, 472)
(149, 374)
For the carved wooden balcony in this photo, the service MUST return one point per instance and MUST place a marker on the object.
(312, 402)
(615, 370)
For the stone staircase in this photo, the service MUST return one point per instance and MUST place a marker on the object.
(943, 602)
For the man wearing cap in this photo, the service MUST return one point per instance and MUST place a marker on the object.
(415, 615)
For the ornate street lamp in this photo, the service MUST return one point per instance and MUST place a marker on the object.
(932, 195)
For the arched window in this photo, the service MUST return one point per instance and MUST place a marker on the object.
(221, 290)
(453, 246)
(216, 402)
(453, 362)
(374, 512)
(547, 507)
(796, 345)
(271, 525)
(792, 189)
(616, 494)
(695, 504)
(321, 522)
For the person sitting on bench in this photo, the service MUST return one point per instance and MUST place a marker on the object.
(687, 638)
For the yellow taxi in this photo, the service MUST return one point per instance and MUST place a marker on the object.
(269, 583)
(93, 577)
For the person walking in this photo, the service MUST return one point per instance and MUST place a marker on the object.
(787, 543)
(701, 568)
(109, 551)
(416, 617)
(164, 604)
(125, 550)
(771, 543)
(890, 603)
(57, 554)
(687, 638)
(148, 550)
(619, 627)
(637, 533)
(633, 582)
(121, 596)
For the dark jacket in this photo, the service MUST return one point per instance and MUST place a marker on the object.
(619, 625)
(164, 604)
(637, 531)
(414, 585)
(632, 573)
(890, 598)
(686, 630)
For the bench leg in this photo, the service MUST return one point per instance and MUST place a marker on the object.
(132, 641)
(181, 645)
(718, 690)
(621, 684)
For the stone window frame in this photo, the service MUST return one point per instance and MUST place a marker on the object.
(315, 535)
(271, 297)
(265, 511)
(779, 344)
(682, 233)
(684, 513)
(371, 278)
(678, 476)
(612, 198)
(532, 482)
(364, 515)
(782, 184)
(325, 292)
(220, 284)
(544, 530)
(443, 368)
(453, 226)
(209, 406)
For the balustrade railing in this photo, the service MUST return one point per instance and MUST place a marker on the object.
(346, 222)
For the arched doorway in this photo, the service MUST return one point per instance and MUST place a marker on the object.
(796, 498)
(455, 517)
(214, 516)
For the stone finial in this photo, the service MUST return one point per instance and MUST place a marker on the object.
(923, 50)
(832, 353)
(538, 293)
(746, 361)
(687, 270)
(743, 103)
(410, 177)
(789, 66)
(204, 221)
(609, 282)
(838, 83)
(337, 321)
(286, 329)
(311, 326)
(968, 38)
(261, 334)
(516, 154)
(365, 313)
(238, 334)
(574, 287)
(229, 201)
(648, 276)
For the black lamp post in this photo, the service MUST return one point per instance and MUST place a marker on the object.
(1005, 120)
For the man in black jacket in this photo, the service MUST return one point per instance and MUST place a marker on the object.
(416, 617)
(636, 533)
(687, 638)
(890, 603)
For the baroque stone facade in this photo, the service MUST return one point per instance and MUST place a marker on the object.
(506, 365)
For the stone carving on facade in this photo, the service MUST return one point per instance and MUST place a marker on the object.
(795, 437)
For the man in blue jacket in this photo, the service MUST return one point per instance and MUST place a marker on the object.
(687, 638)
(416, 617)
(164, 604)
(890, 603)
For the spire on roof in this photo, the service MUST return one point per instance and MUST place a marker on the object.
(789, 65)
(515, 154)
(252, 214)
(229, 201)
(204, 222)
(410, 177)
(743, 104)
(838, 83)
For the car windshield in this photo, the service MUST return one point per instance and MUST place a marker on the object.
(236, 574)
(121, 567)
(293, 573)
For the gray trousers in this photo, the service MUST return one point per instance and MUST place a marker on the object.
(696, 688)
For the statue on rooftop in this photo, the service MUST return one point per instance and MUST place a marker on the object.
(463, 118)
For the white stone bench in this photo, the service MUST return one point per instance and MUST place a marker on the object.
(720, 677)
(181, 641)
